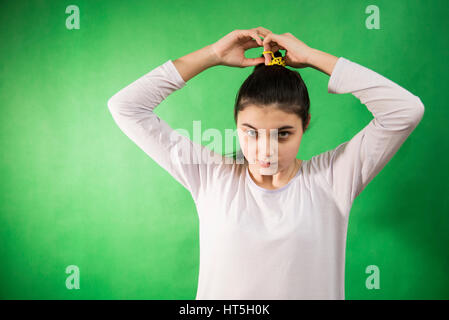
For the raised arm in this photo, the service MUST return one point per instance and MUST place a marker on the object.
(348, 168)
(353, 164)
(133, 110)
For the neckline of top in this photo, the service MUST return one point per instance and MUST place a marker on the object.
(248, 176)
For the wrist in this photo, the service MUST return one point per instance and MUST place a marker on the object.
(310, 56)
(322, 61)
(195, 62)
(212, 58)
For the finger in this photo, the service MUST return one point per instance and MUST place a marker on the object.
(272, 43)
(248, 62)
(251, 34)
(274, 48)
(274, 38)
(267, 46)
(263, 31)
(257, 38)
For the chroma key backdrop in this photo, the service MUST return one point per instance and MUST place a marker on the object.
(86, 214)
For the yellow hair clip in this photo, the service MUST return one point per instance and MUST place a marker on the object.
(275, 60)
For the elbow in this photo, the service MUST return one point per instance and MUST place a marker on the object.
(418, 111)
(112, 104)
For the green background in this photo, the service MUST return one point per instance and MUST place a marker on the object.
(76, 191)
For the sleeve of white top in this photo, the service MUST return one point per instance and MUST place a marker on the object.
(353, 164)
(133, 110)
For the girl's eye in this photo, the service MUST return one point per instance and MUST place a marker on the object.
(283, 134)
(252, 133)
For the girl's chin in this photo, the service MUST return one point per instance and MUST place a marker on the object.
(264, 164)
(270, 168)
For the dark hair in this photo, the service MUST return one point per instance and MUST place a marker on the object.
(276, 85)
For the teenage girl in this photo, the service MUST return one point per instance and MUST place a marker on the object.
(271, 226)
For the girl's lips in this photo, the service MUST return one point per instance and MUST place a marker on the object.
(265, 164)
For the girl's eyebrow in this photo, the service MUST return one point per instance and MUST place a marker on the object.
(284, 127)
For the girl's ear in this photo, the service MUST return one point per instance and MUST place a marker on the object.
(308, 121)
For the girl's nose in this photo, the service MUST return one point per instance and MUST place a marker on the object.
(268, 148)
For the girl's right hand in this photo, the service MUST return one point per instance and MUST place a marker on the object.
(230, 50)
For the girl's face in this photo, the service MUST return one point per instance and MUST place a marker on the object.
(271, 135)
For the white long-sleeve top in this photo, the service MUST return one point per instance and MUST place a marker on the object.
(287, 243)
